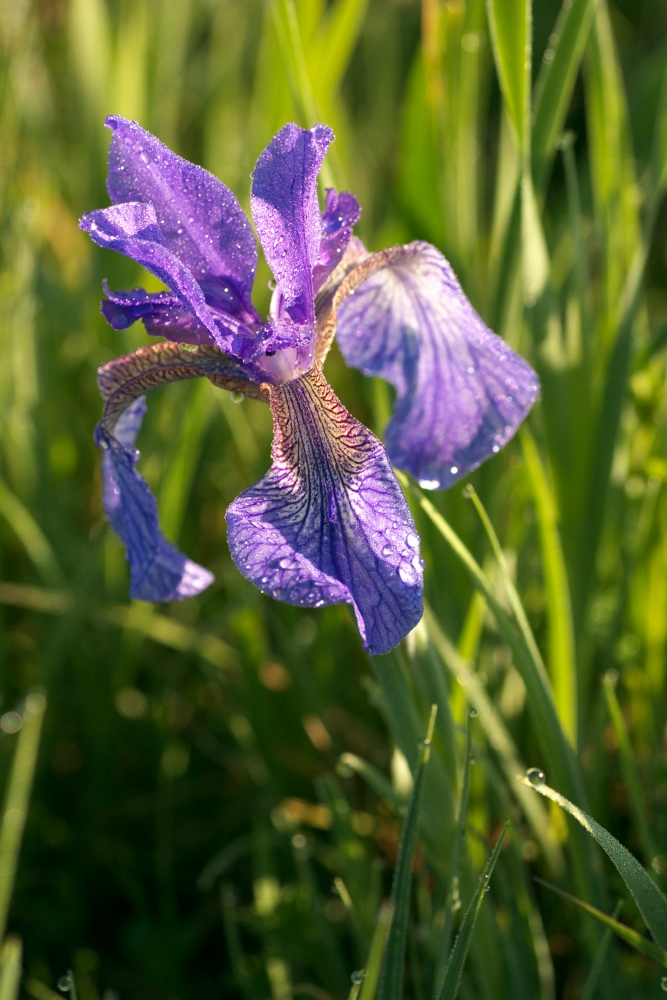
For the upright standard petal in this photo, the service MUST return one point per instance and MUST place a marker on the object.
(158, 572)
(132, 229)
(287, 214)
(462, 391)
(339, 217)
(328, 523)
(201, 220)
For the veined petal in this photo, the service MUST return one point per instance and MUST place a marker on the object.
(462, 391)
(340, 214)
(132, 229)
(328, 523)
(162, 314)
(201, 220)
(287, 215)
(158, 572)
(127, 378)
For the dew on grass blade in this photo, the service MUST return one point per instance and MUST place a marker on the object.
(535, 776)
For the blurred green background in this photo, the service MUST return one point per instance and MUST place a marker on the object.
(191, 819)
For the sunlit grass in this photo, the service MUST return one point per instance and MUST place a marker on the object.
(223, 786)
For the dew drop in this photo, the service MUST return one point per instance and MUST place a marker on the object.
(412, 540)
(468, 491)
(454, 469)
(144, 157)
(535, 776)
(406, 573)
(472, 713)
(236, 397)
(65, 983)
(358, 977)
(663, 984)
(496, 449)
(386, 550)
(429, 484)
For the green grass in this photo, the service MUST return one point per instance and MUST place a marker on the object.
(225, 788)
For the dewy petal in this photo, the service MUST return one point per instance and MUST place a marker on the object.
(162, 314)
(340, 214)
(462, 392)
(201, 220)
(287, 215)
(328, 523)
(132, 229)
(158, 572)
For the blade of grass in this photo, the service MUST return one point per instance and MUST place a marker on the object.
(31, 536)
(651, 902)
(500, 740)
(628, 766)
(449, 986)
(627, 934)
(599, 961)
(377, 951)
(18, 796)
(511, 28)
(555, 83)
(10, 968)
(393, 967)
(561, 656)
(453, 898)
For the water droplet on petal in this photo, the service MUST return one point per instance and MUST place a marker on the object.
(412, 540)
(236, 397)
(144, 157)
(454, 469)
(535, 776)
(429, 484)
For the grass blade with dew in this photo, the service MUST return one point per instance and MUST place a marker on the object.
(18, 796)
(627, 934)
(10, 968)
(651, 902)
(449, 986)
(499, 740)
(560, 640)
(393, 966)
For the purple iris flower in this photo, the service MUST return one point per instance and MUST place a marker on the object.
(328, 523)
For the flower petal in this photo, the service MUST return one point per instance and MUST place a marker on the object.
(132, 229)
(125, 379)
(162, 314)
(341, 213)
(201, 220)
(328, 523)
(287, 215)
(158, 572)
(462, 392)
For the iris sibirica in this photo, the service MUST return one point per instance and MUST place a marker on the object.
(328, 523)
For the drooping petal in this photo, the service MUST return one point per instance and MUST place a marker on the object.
(158, 572)
(328, 523)
(132, 229)
(340, 214)
(287, 215)
(201, 220)
(462, 392)
(125, 379)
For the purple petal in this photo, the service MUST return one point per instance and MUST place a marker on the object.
(287, 215)
(132, 229)
(341, 213)
(158, 572)
(162, 314)
(201, 220)
(328, 523)
(462, 392)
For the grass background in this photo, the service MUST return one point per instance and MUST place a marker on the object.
(221, 784)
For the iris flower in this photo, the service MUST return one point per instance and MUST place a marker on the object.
(328, 523)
